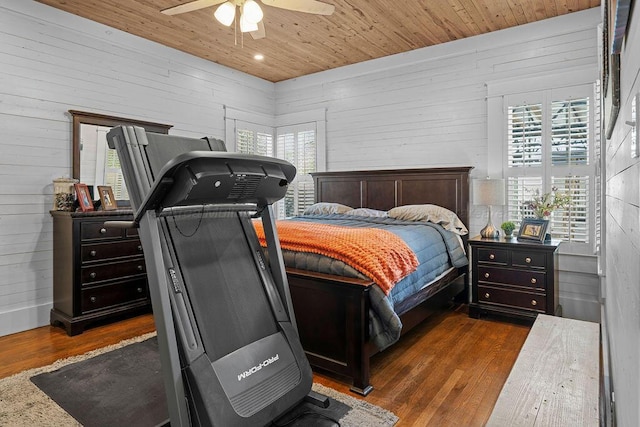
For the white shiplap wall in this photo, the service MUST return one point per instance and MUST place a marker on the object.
(428, 108)
(622, 288)
(51, 62)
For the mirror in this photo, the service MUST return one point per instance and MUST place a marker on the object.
(93, 162)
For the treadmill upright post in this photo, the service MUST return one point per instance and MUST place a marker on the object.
(168, 348)
(276, 261)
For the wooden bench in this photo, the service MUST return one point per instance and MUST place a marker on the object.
(555, 380)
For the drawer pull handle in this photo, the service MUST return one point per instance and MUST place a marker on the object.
(103, 231)
(534, 302)
(93, 299)
(140, 247)
(140, 268)
(487, 295)
(486, 275)
(492, 256)
(139, 290)
(533, 281)
(527, 260)
(92, 253)
(93, 275)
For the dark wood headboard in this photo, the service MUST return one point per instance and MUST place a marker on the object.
(385, 189)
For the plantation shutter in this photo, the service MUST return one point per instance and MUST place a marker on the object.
(297, 144)
(570, 145)
(572, 222)
(254, 139)
(519, 192)
(525, 135)
(548, 143)
(570, 132)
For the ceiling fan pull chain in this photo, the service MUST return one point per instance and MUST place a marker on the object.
(235, 30)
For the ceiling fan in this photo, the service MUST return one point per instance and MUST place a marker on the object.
(250, 12)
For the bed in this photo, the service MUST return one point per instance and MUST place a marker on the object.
(333, 311)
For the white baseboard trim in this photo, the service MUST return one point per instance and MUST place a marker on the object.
(24, 319)
(580, 308)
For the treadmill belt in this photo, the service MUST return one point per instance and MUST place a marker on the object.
(223, 282)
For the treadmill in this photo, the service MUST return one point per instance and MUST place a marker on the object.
(227, 336)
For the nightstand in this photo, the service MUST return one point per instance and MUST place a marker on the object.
(513, 278)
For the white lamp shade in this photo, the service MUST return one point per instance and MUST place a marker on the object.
(246, 26)
(251, 12)
(225, 13)
(488, 192)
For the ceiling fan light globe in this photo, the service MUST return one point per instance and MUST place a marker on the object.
(252, 12)
(247, 27)
(225, 13)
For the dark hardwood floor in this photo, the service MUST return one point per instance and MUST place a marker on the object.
(448, 371)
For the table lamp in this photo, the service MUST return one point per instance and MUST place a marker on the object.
(489, 192)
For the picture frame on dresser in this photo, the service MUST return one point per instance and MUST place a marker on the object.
(84, 197)
(107, 200)
(533, 229)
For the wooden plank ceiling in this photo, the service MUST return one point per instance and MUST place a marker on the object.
(297, 44)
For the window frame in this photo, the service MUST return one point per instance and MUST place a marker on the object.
(572, 84)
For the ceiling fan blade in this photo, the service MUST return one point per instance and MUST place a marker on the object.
(260, 33)
(191, 6)
(307, 6)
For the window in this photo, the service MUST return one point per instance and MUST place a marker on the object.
(301, 144)
(549, 144)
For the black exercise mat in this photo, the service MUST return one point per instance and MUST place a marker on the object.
(117, 388)
(124, 387)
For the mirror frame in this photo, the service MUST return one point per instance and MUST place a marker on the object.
(83, 117)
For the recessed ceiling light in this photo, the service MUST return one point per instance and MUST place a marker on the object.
(258, 57)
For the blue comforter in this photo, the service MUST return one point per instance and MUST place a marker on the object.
(437, 251)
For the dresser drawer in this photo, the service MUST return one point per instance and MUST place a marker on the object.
(105, 251)
(115, 270)
(526, 278)
(528, 259)
(101, 297)
(494, 256)
(97, 230)
(518, 299)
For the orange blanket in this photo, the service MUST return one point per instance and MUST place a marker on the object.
(378, 254)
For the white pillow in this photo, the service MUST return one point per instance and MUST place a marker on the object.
(323, 208)
(367, 212)
(431, 213)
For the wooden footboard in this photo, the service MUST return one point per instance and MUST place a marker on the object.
(333, 321)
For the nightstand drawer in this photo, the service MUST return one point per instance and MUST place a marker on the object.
(530, 279)
(528, 259)
(494, 256)
(522, 300)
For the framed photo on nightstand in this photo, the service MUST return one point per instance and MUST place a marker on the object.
(533, 229)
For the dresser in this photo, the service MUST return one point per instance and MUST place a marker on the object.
(98, 272)
(513, 278)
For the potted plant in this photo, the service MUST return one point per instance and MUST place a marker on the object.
(508, 228)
